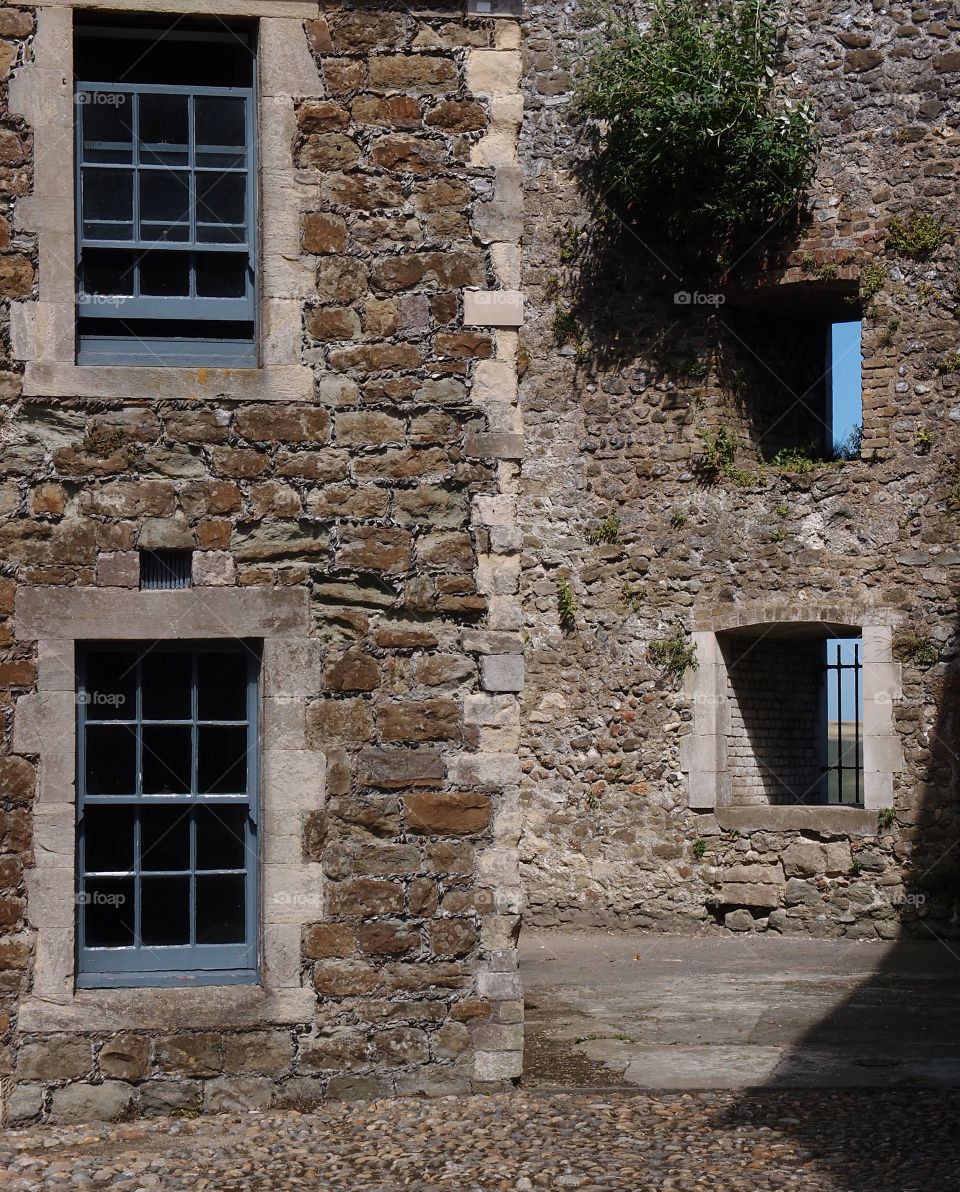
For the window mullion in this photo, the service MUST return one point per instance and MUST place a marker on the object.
(194, 789)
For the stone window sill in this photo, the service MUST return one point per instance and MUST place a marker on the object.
(270, 382)
(211, 1007)
(840, 821)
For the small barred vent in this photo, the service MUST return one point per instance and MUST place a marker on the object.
(161, 570)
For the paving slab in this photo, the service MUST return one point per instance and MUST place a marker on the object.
(608, 1009)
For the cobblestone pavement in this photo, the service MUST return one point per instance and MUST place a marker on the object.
(813, 1141)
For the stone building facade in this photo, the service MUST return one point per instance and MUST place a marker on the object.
(456, 403)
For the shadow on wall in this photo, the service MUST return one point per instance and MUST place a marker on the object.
(909, 1137)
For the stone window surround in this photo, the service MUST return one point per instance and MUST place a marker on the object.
(292, 783)
(703, 753)
(43, 330)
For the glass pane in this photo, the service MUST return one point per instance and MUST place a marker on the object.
(108, 912)
(159, 233)
(108, 839)
(221, 234)
(221, 275)
(222, 686)
(107, 132)
(107, 195)
(165, 838)
(167, 678)
(111, 685)
(220, 197)
(166, 760)
(219, 121)
(163, 129)
(220, 910)
(164, 911)
(165, 274)
(164, 195)
(106, 272)
(228, 159)
(111, 760)
(221, 837)
(221, 761)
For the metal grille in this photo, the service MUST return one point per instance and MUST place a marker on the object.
(844, 744)
(163, 570)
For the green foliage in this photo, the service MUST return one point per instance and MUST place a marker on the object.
(850, 447)
(886, 818)
(950, 363)
(565, 325)
(566, 606)
(608, 531)
(918, 236)
(782, 509)
(856, 868)
(678, 519)
(631, 597)
(690, 129)
(919, 648)
(779, 535)
(794, 459)
(923, 441)
(699, 848)
(673, 655)
(718, 454)
(873, 278)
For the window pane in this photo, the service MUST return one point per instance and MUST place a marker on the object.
(111, 685)
(221, 275)
(221, 837)
(222, 686)
(220, 233)
(161, 233)
(166, 760)
(222, 761)
(108, 839)
(220, 197)
(163, 129)
(107, 195)
(164, 911)
(219, 121)
(165, 838)
(111, 761)
(108, 912)
(106, 272)
(220, 910)
(167, 676)
(165, 195)
(165, 274)
(107, 134)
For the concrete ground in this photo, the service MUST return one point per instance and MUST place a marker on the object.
(670, 1012)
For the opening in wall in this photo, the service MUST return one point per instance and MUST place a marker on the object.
(166, 186)
(795, 732)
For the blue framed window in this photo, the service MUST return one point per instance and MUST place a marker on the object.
(166, 197)
(167, 764)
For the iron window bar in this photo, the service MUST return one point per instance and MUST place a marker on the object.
(834, 669)
(165, 570)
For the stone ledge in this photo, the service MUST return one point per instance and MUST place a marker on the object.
(218, 1007)
(121, 614)
(272, 382)
(222, 8)
(837, 821)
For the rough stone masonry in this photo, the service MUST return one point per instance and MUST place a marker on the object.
(386, 505)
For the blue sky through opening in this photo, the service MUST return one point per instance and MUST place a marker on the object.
(851, 702)
(846, 399)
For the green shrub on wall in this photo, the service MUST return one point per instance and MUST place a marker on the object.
(690, 130)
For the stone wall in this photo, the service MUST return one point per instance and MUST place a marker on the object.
(620, 383)
(374, 478)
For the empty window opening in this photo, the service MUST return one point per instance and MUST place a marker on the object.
(163, 570)
(167, 814)
(794, 733)
(165, 164)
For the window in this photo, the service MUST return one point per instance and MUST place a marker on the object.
(167, 814)
(795, 725)
(845, 414)
(165, 188)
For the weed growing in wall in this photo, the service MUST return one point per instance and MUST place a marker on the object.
(674, 655)
(607, 532)
(917, 236)
(918, 648)
(566, 606)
